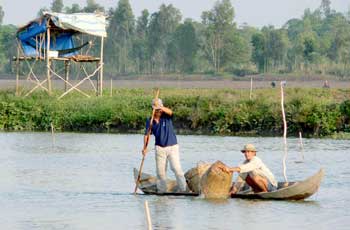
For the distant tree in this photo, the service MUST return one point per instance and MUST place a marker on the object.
(142, 24)
(219, 23)
(276, 46)
(246, 33)
(305, 46)
(92, 6)
(57, 6)
(7, 47)
(258, 55)
(109, 13)
(237, 52)
(140, 52)
(294, 27)
(186, 44)
(120, 31)
(310, 47)
(162, 25)
(326, 7)
(75, 8)
(341, 39)
(2, 14)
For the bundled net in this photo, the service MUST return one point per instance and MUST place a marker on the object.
(215, 183)
(194, 175)
(209, 180)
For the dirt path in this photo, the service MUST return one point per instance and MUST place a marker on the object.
(216, 84)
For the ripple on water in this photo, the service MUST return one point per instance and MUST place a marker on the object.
(85, 181)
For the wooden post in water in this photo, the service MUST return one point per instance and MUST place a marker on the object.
(301, 145)
(52, 134)
(111, 94)
(284, 133)
(148, 216)
(251, 88)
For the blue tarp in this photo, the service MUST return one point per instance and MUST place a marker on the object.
(33, 29)
(27, 37)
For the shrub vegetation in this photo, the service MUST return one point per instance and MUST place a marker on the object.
(315, 112)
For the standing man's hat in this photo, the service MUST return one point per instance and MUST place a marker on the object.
(157, 103)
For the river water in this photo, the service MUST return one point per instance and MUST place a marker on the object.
(84, 181)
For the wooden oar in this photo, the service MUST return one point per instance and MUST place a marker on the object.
(146, 143)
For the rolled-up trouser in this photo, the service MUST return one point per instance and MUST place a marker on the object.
(171, 154)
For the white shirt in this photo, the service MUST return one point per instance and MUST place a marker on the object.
(256, 167)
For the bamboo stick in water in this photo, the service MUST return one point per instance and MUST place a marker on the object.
(148, 216)
(301, 145)
(111, 88)
(251, 88)
(52, 134)
(284, 133)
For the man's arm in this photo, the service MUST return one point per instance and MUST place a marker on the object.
(234, 169)
(167, 110)
(230, 169)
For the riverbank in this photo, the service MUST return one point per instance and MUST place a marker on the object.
(314, 112)
(191, 81)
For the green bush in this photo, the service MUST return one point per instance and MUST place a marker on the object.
(315, 112)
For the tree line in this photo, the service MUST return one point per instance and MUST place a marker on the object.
(164, 43)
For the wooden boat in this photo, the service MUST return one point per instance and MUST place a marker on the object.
(298, 190)
(148, 185)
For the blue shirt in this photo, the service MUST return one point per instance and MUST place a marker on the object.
(163, 131)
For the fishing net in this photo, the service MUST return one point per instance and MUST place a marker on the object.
(215, 183)
(194, 175)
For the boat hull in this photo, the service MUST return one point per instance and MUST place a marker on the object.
(299, 190)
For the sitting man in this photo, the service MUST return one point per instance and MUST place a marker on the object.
(253, 171)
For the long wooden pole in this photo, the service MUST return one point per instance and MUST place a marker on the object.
(17, 70)
(48, 59)
(101, 70)
(146, 144)
(284, 134)
(66, 74)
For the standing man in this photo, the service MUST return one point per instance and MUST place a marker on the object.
(167, 148)
(253, 171)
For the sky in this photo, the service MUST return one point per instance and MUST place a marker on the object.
(255, 13)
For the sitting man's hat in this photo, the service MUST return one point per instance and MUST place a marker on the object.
(249, 147)
(157, 103)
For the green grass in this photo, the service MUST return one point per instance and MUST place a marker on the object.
(315, 112)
